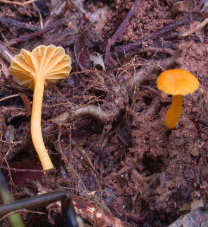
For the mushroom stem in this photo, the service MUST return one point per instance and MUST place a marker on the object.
(174, 112)
(36, 131)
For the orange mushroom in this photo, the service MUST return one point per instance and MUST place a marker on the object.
(45, 64)
(176, 82)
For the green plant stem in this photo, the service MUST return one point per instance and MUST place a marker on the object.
(14, 219)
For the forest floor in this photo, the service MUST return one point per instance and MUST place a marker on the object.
(104, 126)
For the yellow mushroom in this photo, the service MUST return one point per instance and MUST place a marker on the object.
(176, 82)
(45, 64)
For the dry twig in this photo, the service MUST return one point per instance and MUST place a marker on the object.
(18, 3)
(170, 27)
(5, 53)
(108, 59)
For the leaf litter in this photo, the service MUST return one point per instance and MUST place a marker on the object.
(104, 125)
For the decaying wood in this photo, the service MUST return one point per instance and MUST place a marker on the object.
(95, 214)
(195, 218)
(8, 22)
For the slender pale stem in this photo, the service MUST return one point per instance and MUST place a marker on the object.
(174, 112)
(36, 131)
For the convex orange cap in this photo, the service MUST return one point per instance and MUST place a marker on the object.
(177, 82)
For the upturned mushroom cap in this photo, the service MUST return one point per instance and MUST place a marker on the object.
(177, 82)
(49, 62)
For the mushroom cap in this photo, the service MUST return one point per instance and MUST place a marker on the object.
(49, 62)
(177, 82)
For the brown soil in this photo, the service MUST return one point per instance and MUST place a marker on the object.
(119, 155)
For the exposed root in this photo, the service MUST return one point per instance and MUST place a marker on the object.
(197, 29)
